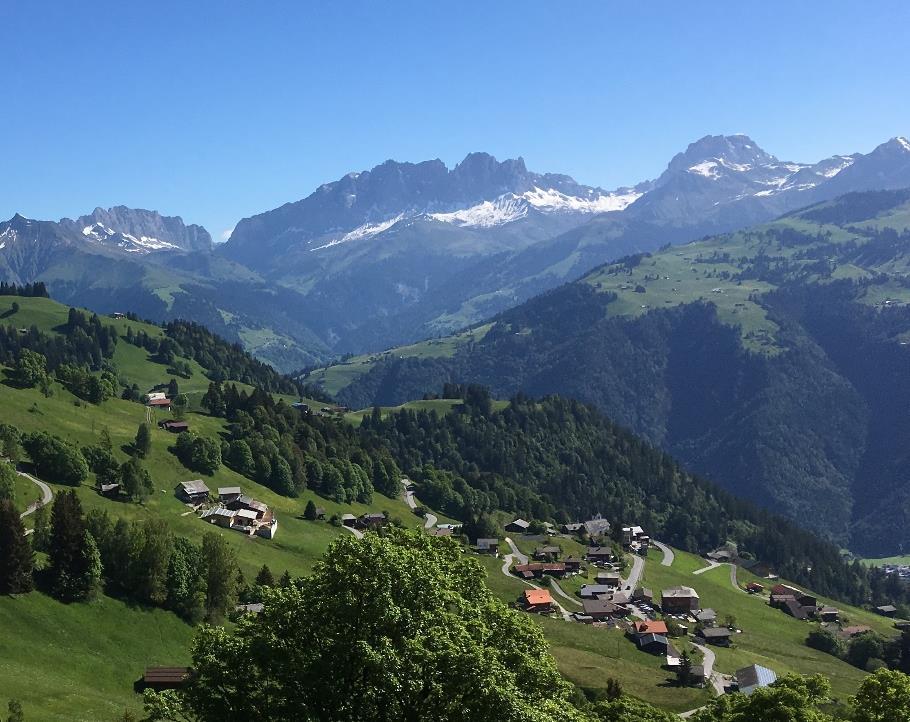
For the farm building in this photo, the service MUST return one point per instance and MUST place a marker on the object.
(536, 600)
(193, 492)
(175, 427)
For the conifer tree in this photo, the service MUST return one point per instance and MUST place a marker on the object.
(16, 556)
(143, 441)
(75, 564)
(310, 511)
(265, 578)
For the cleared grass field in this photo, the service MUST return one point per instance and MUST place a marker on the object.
(79, 661)
(334, 378)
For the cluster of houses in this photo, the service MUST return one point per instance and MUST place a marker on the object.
(800, 605)
(635, 540)
(902, 571)
(232, 510)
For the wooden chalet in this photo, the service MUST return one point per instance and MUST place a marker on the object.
(161, 678)
(716, 635)
(175, 427)
(537, 600)
(519, 526)
(192, 492)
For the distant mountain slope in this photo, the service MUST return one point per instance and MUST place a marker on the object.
(773, 360)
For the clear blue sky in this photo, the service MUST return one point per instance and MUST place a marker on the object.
(215, 113)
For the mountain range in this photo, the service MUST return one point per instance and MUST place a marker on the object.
(407, 251)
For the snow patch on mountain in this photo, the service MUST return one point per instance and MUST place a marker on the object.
(511, 207)
(365, 231)
(100, 233)
(904, 143)
(505, 209)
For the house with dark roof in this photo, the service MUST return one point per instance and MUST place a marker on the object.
(488, 546)
(827, 614)
(677, 600)
(716, 635)
(548, 553)
(519, 526)
(706, 616)
(161, 678)
(653, 643)
(750, 678)
(795, 609)
(610, 579)
(600, 554)
(573, 527)
(600, 609)
(192, 492)
(175, 427)
(593, 591)
(534, 570)
(886, 610)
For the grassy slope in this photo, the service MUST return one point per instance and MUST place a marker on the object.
(336, 377)
(79, 661)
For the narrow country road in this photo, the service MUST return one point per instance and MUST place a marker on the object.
(46, 495)
(519, 557)
(554, 585)
(430, 519)
(638, 566)
(711, 565)
(708, 664)
(669, 556)
(733, 580)
(355, 532)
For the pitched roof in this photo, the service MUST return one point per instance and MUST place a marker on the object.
(600, 606)
(225, 490)
(754, 676)
(487, 543)
(166, 675)
(646, 639)
(197, 486)
(715, 632)
(536, 597)
(595, 589)
(651, 627)
(679, 593)
(520, 522)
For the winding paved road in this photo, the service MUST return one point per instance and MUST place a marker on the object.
(711, 565)
(46, 495)
(519, 557)
(638, 566)
(708, 663)
(430, 519)
(669, 556)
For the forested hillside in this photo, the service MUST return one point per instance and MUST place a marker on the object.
(773, 361)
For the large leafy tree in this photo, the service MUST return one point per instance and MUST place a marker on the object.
(883, 697)
(389, 628)
(789, 699)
